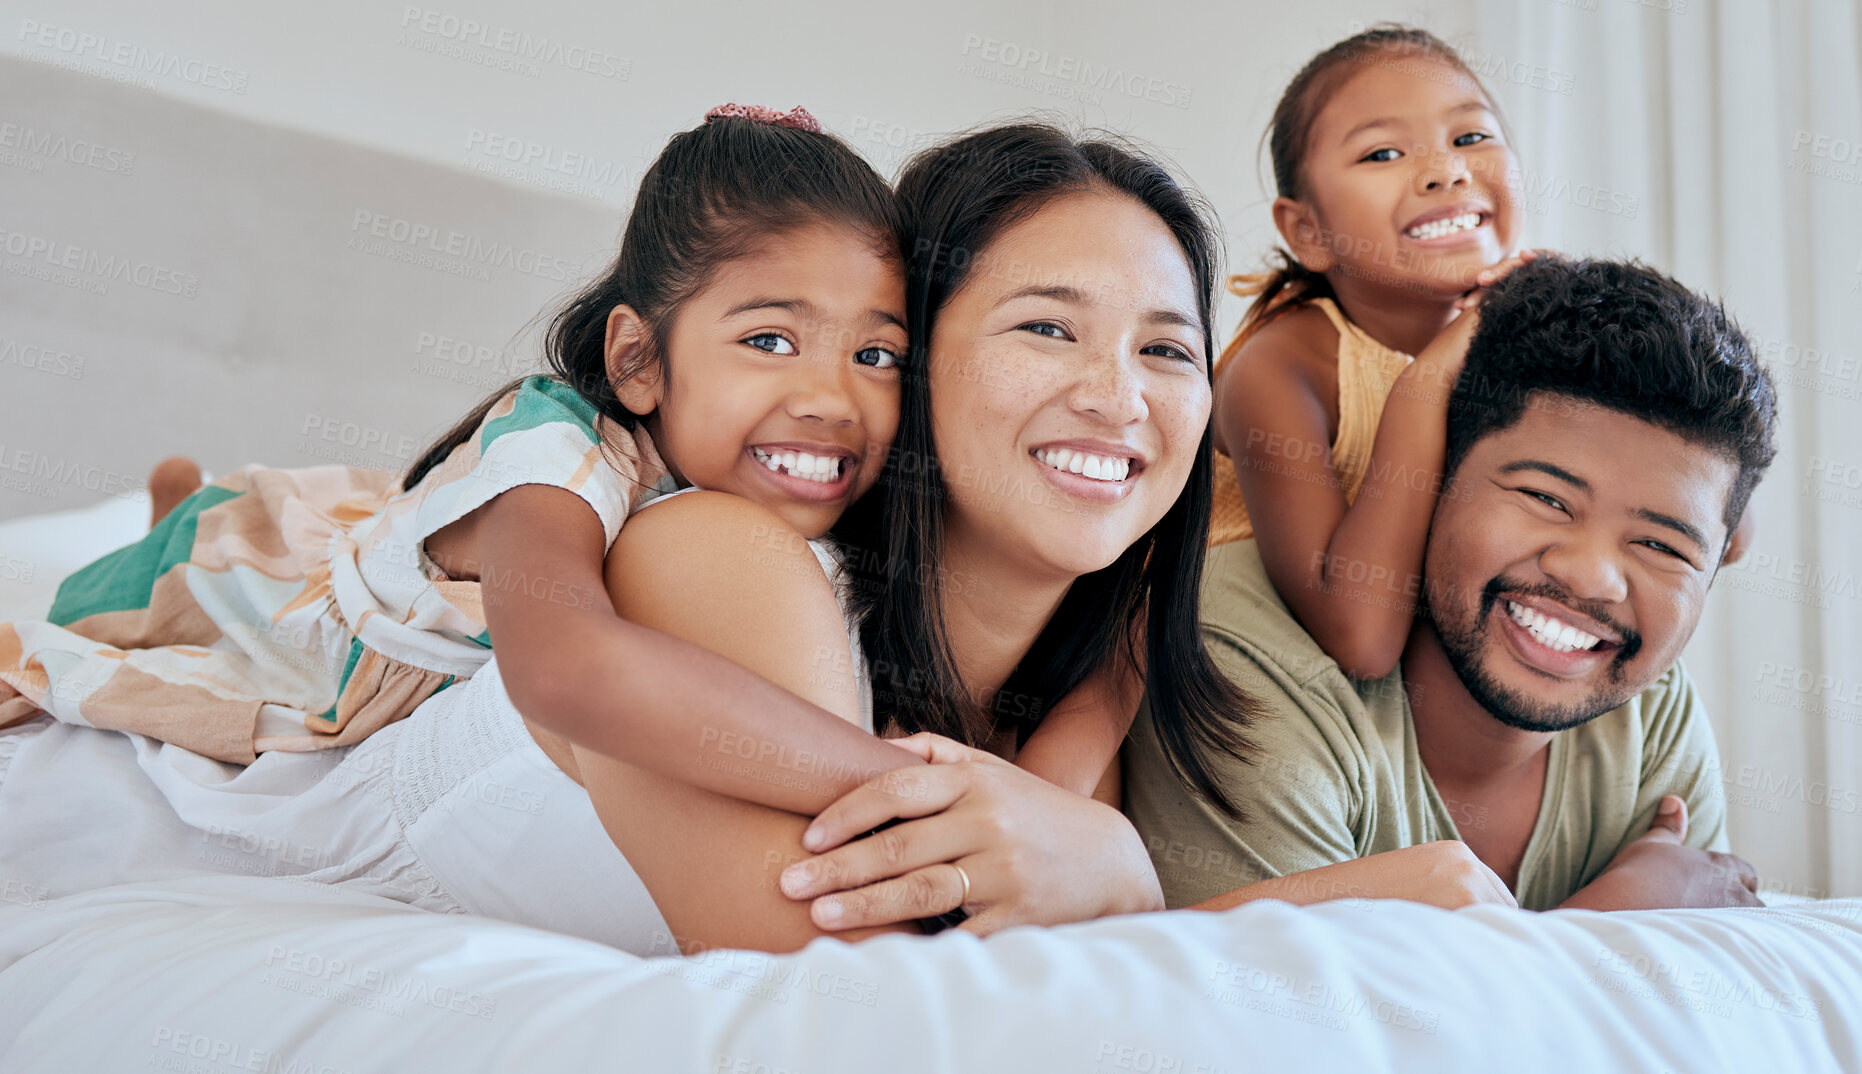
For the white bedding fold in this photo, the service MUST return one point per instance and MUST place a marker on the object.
(238, 973)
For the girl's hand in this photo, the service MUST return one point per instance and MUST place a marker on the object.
(1493, 274)
(1448, 351)
(1034, 853)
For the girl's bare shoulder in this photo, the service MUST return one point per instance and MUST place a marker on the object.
(724, 538)
(1298, 349)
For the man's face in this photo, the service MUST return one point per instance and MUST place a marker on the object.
(1569, 560)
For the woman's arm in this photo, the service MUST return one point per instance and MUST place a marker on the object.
(1076, 746)
(621, 688)
(1068, 871)
(692, 569)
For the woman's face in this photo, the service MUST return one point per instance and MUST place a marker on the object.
(1069, 386)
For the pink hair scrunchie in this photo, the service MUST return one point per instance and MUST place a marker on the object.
(796, 117)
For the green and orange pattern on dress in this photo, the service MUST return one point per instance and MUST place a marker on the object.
(296, 609)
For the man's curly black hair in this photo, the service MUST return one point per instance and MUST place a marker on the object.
(1623, 336)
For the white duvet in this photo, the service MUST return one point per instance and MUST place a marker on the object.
(218, 974)
(221, 974)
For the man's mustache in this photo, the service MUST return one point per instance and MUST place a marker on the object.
(1490, 595)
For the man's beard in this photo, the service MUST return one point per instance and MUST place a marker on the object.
(1463, 645)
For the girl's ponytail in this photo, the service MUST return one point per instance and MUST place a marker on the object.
(1285, 286)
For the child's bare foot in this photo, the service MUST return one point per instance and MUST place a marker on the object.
(174, 479)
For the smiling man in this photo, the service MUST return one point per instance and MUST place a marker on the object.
(1603, 441)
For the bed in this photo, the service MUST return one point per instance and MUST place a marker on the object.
(244, 973)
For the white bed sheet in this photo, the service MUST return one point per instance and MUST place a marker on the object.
(37, 552)
(220, 974)
(229, 973)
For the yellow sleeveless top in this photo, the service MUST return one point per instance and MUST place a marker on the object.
(1366, 372)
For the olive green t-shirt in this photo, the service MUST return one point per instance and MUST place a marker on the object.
(1337, 776)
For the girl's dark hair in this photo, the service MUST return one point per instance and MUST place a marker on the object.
(957, 199)
(715, 194)
(1287, 283)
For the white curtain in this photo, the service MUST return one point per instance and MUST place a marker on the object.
(1721, 141)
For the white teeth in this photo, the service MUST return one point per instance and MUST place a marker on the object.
(1435, 229)
(1549, 632)
(825, 469)
(1098, 467)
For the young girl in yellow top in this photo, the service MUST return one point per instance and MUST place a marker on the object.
(1397, 203)
(1396, 200)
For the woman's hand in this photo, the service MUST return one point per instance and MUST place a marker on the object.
(1034, 853)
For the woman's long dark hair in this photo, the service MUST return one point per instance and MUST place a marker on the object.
(714, 194)
(957, 198)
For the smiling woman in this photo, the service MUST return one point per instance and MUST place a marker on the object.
(1060, 302)
(1060, 298)
(1038, 534)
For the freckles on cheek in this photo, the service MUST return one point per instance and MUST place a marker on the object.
(1183, 419)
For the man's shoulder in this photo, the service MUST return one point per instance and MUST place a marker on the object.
(1311, 706)
(1242, 611)
(1647, 739)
